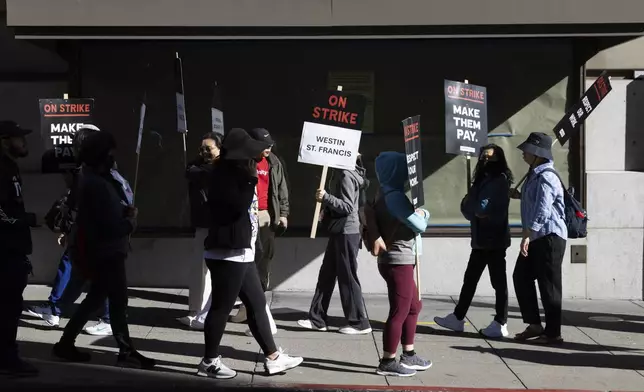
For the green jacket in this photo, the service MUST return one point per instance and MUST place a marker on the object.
(278, 205)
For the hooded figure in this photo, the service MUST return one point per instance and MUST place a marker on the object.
(395, 249)
(341, 213)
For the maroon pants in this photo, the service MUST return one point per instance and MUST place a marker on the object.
(404, 306)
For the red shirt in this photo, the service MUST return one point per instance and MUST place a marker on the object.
(262, 184)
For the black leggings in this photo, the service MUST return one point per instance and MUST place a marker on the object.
(229, 281)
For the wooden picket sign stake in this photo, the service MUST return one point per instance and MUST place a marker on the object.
(318, 205)
(468, 161)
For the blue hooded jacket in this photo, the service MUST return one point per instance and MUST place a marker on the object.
(391, 170)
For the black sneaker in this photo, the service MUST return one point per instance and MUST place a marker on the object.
(135, 360)
(18, 368)
(70, 353)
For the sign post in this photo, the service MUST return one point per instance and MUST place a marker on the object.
(579, 112)
(182, 122)
(138, 144)
(465, 121)
(60, 119)
(411, 128)
(332, 137)
(216, 113)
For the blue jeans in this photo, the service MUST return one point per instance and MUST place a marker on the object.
(67, 288)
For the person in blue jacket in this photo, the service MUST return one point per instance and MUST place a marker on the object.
(397, 227)
(486, 207)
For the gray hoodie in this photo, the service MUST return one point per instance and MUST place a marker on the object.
(341, 202)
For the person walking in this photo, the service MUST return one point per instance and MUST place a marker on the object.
(104, 224)
(15, 246)
(486, 207)
(230, 255)
(341, 213)
(68, 283)
(198, 174)
(543, 242)
(394, 224)
(272, 194)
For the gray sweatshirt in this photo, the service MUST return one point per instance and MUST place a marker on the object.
(341, 201)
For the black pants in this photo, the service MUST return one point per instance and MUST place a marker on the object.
(229, 281)
(108, 281)
(14, 274)
(494, 259)
(543, 263)
(340, 263)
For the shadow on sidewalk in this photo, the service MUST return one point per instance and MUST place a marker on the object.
(631, 323)
(596, 360)
(196, 350)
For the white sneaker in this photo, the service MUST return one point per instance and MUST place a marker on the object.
(451, 322)
(99, 329)
(215, 369)
(44, 312)
(495, 330)
(191, 322)
(282, 363)
(309, 325)
(238, 302)
(354, 331)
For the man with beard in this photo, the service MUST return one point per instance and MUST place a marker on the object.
(486, 207)
(15, 246)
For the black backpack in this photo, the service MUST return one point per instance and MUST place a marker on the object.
(575, 216)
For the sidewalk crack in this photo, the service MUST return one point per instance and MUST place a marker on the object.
(496, 352)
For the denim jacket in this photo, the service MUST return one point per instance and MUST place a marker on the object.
(542, 203)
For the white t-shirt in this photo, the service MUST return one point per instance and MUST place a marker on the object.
(240, 255)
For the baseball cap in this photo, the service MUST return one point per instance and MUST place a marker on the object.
(262, 135)
(12, 129)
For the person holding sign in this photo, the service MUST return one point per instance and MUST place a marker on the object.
(341, 213)
(486, 207)
(543, 244)
(230, 255)
(393, 223)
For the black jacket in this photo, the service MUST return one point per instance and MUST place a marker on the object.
(15, 223)
(486, 207)
(232, 188)
(101, 215)
(278, 205)
(198, 174)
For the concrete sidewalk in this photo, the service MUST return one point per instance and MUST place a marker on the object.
(604, 349)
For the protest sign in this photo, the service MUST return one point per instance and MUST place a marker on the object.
(338, 109)
(411, 128)
(331, 136)
(465, 118)
(216, 113)
(326, 145)
(60, 119)
(579, 112)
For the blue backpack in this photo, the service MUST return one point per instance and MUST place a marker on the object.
(575, 216)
